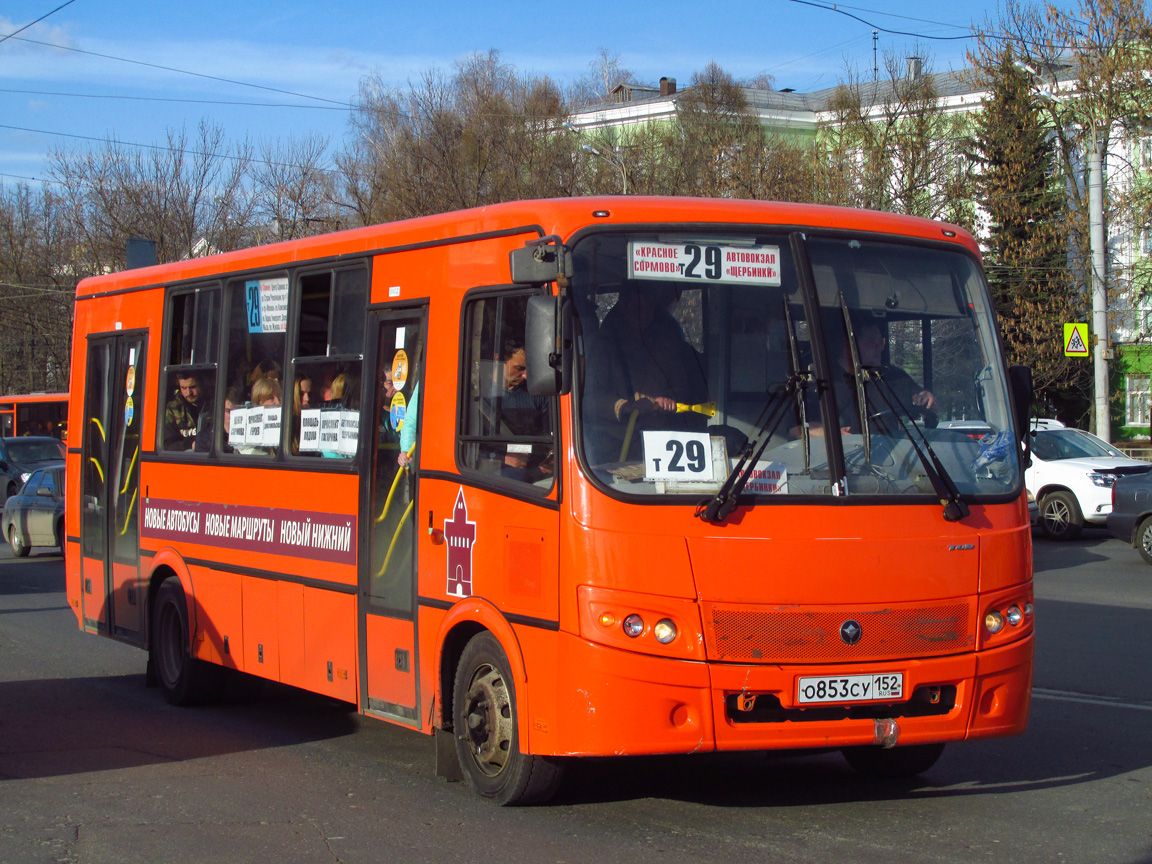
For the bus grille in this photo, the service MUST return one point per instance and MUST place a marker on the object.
(771, 635)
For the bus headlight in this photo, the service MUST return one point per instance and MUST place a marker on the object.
(994, 622)
(664, 631)
(633, 625)
(1014, 615)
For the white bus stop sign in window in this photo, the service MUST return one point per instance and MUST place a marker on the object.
(683, 456)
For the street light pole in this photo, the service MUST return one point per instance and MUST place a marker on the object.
(614, 160)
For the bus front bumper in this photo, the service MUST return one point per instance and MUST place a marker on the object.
(633, 704)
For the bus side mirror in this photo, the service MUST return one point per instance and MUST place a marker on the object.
(544, 343)
(543, 260)
(1020, 383)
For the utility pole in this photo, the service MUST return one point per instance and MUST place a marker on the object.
(1096, 243)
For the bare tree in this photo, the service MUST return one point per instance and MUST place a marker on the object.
(170, 194)
(481, 135)
(294, 191)
(891, 145)
(604, 74)
(36, 292)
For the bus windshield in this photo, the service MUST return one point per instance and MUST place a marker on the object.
(699, 349)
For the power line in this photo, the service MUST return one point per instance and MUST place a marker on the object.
(178, 71)
(37, 21)
(842, 10)
(159, 147)
(183, 101)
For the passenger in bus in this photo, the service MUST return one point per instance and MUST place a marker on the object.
(640, 367)
(905, 392)
(302, 398)
(182, 413)
(521, 413)
(344, 392)
(265, 392)
(407, 452)
(386, 432)
(302, 394)
(264, 369)
(206, 427)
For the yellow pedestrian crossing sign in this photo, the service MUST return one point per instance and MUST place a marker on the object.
(1076, 340)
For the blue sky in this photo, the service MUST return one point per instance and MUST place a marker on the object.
(322, 50)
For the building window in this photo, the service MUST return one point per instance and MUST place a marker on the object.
(1139, 389)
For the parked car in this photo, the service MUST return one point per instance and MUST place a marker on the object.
(19, 457)
(1071, 477)
(34, 516)
(1131, 516)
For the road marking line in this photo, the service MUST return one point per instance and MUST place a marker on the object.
(1088, 699)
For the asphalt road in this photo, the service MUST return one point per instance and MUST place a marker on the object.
(96, 768)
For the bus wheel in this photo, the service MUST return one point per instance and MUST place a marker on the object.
(19, 548)
(487, 743)
(896, 762)
(183, 679)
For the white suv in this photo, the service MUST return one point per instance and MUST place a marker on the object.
(1071, 477)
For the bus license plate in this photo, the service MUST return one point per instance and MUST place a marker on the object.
(888, 686)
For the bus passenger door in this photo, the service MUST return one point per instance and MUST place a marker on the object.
(109, 486)
(388, 570)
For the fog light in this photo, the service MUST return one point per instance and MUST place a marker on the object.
(664, 631)
(1015, 616)
(994, 622)
(607, 619)
(1028, 610)
(633, 625)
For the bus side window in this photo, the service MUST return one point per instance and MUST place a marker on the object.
(256, 314)
(505, 431)
(326, 364)
(188, 394)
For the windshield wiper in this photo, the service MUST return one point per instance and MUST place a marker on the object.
(717, 508)
(955, 508)
(858, 376)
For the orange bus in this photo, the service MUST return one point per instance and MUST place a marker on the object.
(34, 414)
(585, 477)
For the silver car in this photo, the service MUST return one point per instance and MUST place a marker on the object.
(34, 516)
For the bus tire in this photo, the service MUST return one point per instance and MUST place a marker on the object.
(484, 721)
(1060, 516)
(894, 762)
(182, 678)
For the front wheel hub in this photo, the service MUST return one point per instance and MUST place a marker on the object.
(488, 717)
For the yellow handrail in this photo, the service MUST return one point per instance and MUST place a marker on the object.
(131, 507)
(395, 537)
(128, 473)
(395, 483)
